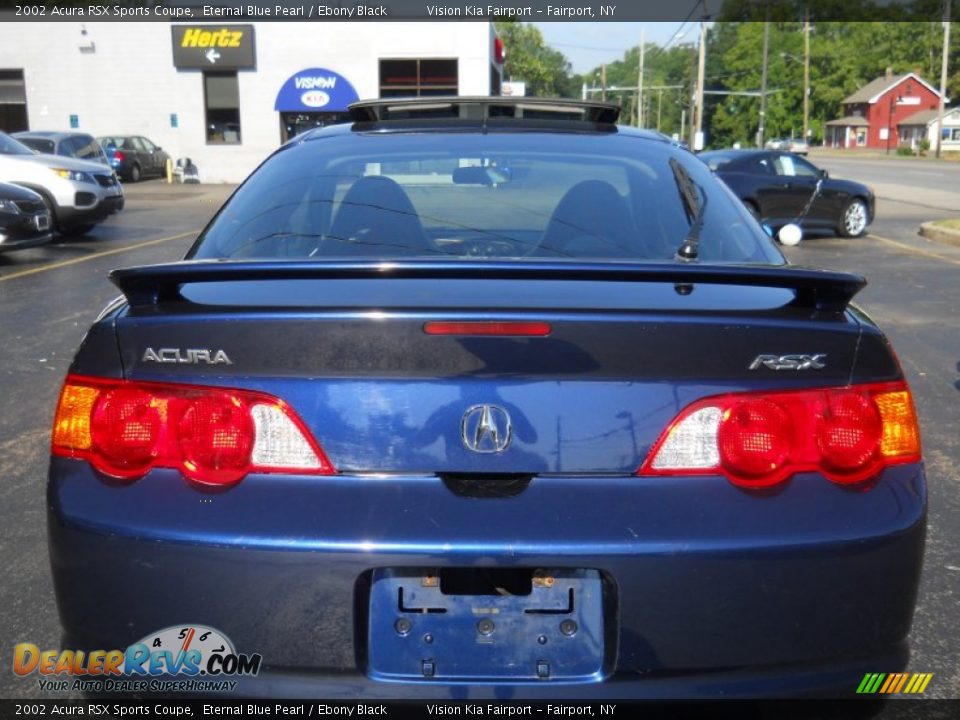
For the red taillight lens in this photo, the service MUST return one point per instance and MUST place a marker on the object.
(216, 437)
(848, 434)
(213, 436)
(486, 327)
(125, 431)
(850, 431)
(754, 438)
(119, 156)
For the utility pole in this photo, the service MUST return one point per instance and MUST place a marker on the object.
(806, 75)
(701, 65)
(603, 82)
(763, 79)
(943, 73)
(640, 81)
(659, 101)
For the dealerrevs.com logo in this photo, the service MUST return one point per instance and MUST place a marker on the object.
(181, 658)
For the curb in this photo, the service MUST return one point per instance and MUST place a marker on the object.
(940, 234)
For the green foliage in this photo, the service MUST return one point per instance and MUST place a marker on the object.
(844, 56)
(902, 150)
(546, 71)
(675, 66)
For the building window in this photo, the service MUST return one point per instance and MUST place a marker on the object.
(221, 96)
(418, 78)
(861, 137)
(13, 101)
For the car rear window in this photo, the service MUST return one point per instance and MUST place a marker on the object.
(473, 195)
(39, 144)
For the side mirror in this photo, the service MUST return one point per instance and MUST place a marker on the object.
(824, 174)
(790, 235)
(157, 148)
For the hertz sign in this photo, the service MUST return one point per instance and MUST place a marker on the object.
(214, 47)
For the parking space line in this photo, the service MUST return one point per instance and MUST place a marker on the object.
(912, 249)
(104, 253)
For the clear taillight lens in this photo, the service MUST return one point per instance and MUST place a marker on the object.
(212, 435)
(758, 440)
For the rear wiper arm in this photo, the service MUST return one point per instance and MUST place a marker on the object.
(695, 203)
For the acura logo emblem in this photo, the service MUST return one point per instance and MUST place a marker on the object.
(486, 429)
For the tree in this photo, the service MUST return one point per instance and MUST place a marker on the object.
(546, 71)
(675, 66)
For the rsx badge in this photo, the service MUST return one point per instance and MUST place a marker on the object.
(789, 362)
(189, 356)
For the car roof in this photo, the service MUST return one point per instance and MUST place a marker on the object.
(481, 115)
(737, 154)
(50, 134)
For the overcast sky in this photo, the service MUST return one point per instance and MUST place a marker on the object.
(587, 45)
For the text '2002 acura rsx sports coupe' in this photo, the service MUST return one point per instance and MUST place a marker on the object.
(484, 396)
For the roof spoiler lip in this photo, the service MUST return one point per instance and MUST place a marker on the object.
(828, 291)
(379, 110)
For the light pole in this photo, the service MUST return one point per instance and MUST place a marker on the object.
(806, 90)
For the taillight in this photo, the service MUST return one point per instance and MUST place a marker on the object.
(488, 327)
(119, 156)
(758, 440)
(213, 436)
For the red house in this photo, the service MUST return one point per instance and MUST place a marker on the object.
(873, 113)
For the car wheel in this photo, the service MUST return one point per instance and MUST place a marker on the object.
(135, 173)
(78, 230)
(853, 219)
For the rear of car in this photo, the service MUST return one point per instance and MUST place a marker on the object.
(134, 157)
(492, 401)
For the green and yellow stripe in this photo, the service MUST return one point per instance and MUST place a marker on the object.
(894, 683)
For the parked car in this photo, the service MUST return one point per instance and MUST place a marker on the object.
(79, 194)
(775, 144)
(577, 428)
(69, 144)
(24, 218)
(134, 157)
(777, 188)
(798, 146)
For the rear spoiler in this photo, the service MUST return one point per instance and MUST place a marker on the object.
(823, 290)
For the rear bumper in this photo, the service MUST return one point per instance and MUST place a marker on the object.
(710, 591)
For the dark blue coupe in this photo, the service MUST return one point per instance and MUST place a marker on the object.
(491, 397)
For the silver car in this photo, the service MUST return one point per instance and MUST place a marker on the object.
(78, 193)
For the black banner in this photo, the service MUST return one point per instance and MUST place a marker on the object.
(213, 11)
(400, 710)
(228, 47)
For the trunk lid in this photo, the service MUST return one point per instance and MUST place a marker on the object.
(344, 344)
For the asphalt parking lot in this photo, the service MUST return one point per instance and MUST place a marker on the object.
(50, 295)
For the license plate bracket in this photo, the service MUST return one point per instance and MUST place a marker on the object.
(417, 632)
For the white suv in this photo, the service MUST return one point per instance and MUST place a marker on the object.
(79, 193)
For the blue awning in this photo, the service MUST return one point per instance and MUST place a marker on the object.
(315, 90)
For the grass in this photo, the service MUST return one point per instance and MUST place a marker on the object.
(952, 224)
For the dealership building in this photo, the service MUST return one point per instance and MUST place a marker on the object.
(226, 95)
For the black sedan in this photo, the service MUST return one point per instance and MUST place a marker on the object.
(24, 218)
(134, 157)
(779, 188)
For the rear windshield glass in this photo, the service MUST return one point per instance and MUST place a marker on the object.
(473, 195)
(39, 144)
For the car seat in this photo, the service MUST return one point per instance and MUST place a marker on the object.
(591, 220)
(376, 217)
